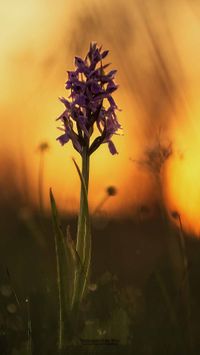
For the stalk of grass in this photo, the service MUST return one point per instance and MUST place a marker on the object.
(29, 329)
(179, 263)
(64, 270)
(110, 191)
(27, 320)
(166, 298)
(25, 180)
(185, 285)
(40, 183)
(12, 288)
(154, 162)
(27, 217)
(42, 148)
(101, 204)
(78, 268)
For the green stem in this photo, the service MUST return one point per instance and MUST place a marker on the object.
(81, 218)
(101, 204)
(83, 241)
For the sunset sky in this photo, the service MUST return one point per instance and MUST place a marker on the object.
(156, 49)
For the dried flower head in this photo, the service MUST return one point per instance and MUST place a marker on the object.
(111, 190)
(90, 102)
(43, 147)
(156, 157)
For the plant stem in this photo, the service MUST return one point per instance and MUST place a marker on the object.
(83, 241)
(81, 218)
(60, 301)
(101, 204)
(25, 180)
(185, 291)
(40, 183)
(29, 329)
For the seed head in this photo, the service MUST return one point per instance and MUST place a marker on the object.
(43, 147)
(111, 190)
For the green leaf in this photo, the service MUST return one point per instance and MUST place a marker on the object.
(78, 267)
(65, 272)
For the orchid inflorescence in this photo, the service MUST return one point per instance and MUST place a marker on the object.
(90, 102)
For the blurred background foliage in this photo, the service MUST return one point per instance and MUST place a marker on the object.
(140, 270)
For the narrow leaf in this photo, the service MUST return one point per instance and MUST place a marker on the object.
(65, 272)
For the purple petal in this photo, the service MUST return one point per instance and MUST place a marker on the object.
(63, 139)
(112, 73)
(92, 49)
(79, 62)
(81, 100)
(104, 54)
(81, 123)
(75, 142)
(95, 88)
(65, 102)
(78, 87)
(112, 148)
(63, 116)
(112, 102)
(72, 75)
(98, 72)
(111, 87)
(68, 85)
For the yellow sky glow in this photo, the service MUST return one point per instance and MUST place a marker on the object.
(35, 54)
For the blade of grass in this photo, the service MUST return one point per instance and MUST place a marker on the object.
(65, 273)
(29, 329)
(78, 267)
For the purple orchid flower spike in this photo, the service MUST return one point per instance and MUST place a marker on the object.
(89, 108)
(90, 103)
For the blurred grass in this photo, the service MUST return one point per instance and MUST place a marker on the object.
(139, 255)
(137, 284)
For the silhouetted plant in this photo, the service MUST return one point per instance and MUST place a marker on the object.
(90, 104)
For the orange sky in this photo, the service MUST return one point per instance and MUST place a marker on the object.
(38, 42)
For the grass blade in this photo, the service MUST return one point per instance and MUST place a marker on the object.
(65, 272)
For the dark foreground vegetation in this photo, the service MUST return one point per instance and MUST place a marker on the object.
(137, 302)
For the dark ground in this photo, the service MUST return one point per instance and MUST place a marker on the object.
(134, 252)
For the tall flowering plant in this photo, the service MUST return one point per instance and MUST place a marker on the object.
(89, 104)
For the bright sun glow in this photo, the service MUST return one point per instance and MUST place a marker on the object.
(35, 54)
